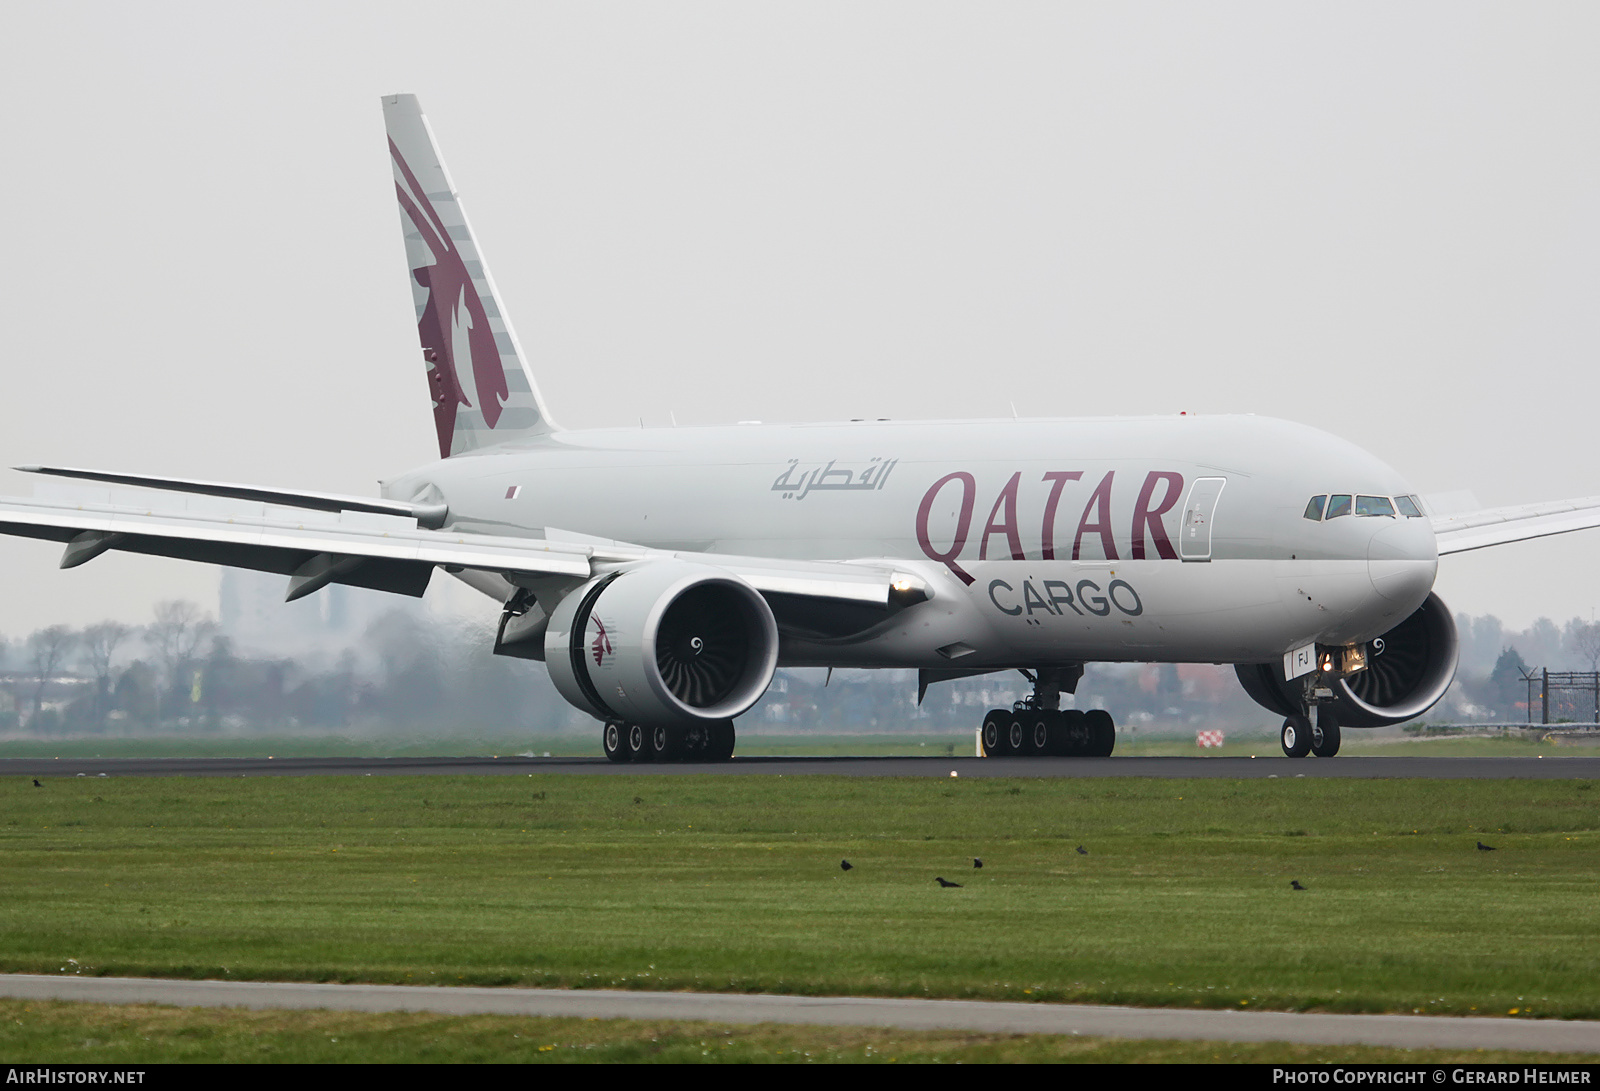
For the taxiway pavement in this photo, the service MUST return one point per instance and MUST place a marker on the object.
(1404, 1031)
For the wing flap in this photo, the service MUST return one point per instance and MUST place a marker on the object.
(1499, 526)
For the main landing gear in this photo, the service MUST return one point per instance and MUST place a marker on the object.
(1037, 726)
(700, 742)
(1301, 737)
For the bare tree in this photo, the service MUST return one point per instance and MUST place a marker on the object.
(99, 647)
(1586, 639)
(48, 650)
(175, 636)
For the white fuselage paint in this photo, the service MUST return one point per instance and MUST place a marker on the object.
(990, 513)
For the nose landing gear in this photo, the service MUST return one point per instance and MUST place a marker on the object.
(1300, 736)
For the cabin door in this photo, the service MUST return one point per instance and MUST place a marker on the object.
(1194, 539)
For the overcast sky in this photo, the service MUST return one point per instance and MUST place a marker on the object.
(1382, 219)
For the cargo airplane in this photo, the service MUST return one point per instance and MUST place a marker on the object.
(663, 575)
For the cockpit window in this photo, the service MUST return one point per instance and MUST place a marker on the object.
(1408, 507)
(1374, 505)
(1338, 505)
(1314, 508)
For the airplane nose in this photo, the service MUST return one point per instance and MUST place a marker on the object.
(1402, 560)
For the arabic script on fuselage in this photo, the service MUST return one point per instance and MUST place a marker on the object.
(800, 480)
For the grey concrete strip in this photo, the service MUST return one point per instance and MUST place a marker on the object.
(1405, 1031)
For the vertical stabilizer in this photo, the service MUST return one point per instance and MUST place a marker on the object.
(482, 391)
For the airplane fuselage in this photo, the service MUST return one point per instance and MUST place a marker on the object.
(1177, 539)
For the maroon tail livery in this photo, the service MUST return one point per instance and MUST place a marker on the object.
(482, 393)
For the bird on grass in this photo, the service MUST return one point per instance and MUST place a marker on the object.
(36, 783)
(1082, 851)
(976, 862)
(1485, 848)
(942, 881)
(845, 865)
(1295, 884)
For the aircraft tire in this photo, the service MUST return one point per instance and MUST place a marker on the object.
(722, 738)
(1102, 733)
(661, 743)
(1054, 731)
(996, 728)
(1296, 736)
(1036, 733)
(1074, 734)
(614, 739)
(637, 751)
(1325, 737)
(694, 743)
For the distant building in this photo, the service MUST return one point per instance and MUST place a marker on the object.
(252, 614)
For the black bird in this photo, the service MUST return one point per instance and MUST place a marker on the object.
(1295, 883)
(844, 865)
(36, 783)
(1082, 851)
(1481, 846)
(942, 881)
(976, 862)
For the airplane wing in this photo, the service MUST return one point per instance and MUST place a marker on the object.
(394, 553)
(428, 515)
(1497, 526)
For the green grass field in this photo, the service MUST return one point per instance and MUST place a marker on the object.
(733, 883)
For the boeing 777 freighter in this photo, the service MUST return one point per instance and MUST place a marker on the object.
(663, 575)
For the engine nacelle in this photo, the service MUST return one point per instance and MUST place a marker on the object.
(1408, 670)
(664, 643)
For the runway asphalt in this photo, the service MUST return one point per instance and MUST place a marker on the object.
(1405, 1031)
(1563, 768)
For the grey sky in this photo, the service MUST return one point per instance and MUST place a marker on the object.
(1381, 219)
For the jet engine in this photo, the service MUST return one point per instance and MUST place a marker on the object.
(665, 643)
(1408, 669)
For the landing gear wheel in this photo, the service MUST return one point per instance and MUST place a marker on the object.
(1296, 737)
(662, 743)
(1013, 741)
(1325, 736)
(615, 741)
(693, 742)
(635, 743)
(996, 730)
(1102, 733)
(1036, 733)
(719, 741)
(1074, 734)
(1055, 726)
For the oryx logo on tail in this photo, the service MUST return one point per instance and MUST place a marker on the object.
(482, 393)
(453, 323)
